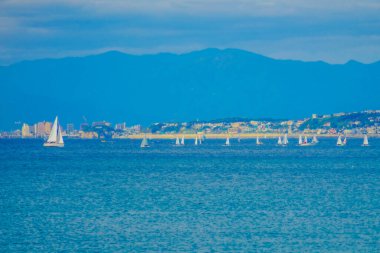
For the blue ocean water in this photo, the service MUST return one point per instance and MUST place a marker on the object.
(115, 197)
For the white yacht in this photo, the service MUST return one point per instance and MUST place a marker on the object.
(55, 138)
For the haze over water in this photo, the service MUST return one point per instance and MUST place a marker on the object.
(116, 197)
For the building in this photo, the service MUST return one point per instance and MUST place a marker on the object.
(25, 131)
(136, 128)
(42, 129)
(88, 135)
(101, 124)
(121, 126)
(339, 114)
(70, 128)
(83, 126)
(314, 116)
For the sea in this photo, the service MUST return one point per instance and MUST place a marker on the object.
(92, 196)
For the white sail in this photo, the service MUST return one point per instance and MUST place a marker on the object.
(177, 141)
(183, 140)
(315, 140)
(305, 139)
(196, 141)
(345, 141)
(258, 141)
(200, 140)
(299, 140)
(55, 138)
(54, 132)
(60, 139)
(365, 140)
(228, 141)
(279, 142)
(339, 142)
(285, 141)
(144, 142)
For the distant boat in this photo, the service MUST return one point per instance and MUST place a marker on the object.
(55, 138)
(345, 140)
(279, 142)
(285, 140)
(258, 142)
(339, 141)
(238, 139)
(200, 140)
(227, 142)
(183, 140)
(196, 141)
(144, 142)
(304, 142)
(365, 141)
(106, 141)
(177, 143)
(315, 140)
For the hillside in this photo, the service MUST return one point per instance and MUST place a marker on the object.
(200, 85)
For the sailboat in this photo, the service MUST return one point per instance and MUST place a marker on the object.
(258, 142)
(304, 142)
(227, 142)
(315, 140)
(345, 140)
(144, 142)
(279, 142)
(285, 140)
(339, 142)
(183, 140)
(365, 141)
(55, 138)
(238, 139)
(196, 141)
(177, 141)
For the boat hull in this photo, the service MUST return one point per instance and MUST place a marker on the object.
(54, 145)
(306, 144)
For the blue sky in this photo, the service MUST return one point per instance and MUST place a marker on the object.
(330, 30)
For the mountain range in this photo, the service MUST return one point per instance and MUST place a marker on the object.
(202, 85)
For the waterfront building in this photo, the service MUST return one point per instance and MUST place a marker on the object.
(42, 129)
(88, 135)
(25, 131)
(101, 124)
(83, 126)
(121, 126)
(70, 128)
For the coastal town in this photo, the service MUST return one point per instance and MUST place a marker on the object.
(350, 124)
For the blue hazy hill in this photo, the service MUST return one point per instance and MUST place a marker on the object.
(205, 84)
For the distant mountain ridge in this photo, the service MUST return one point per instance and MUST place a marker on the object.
(203, 85)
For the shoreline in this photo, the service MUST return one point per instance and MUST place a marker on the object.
(208, 136)
(234, 136)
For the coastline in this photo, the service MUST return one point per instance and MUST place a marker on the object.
(224, 135)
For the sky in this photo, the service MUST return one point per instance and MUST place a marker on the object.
(334, 31)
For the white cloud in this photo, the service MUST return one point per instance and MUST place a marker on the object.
(199, 7)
